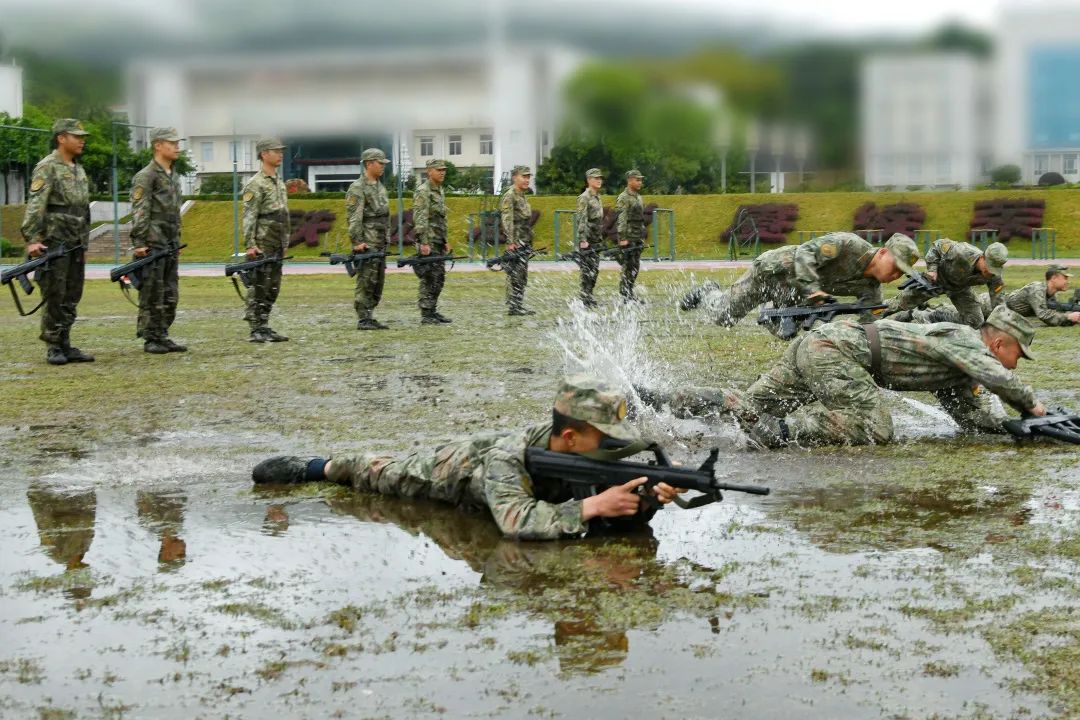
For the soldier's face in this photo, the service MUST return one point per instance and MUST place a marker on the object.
(596, 182)
(634, 184)
(1006, 349)
(273, 157)
(1057, 283)
(580, 441)
(522, 181)
(168, 149)
(884, 268)
(72, 144)
(437, 175)
(376, 168)
(983, 268)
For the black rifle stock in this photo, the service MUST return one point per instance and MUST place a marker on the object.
(588, 477)
(789, 319)
(1058, 424)
(20, 274)
(522, 253)
(429, 260)
(611, 252)
(243, 270)
(917, 281)
(1062, 306)
(578, 255)
(355, 261)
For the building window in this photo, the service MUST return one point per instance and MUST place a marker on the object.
(1069, 164)
(1041, 163)
(885, 167)
(427, 146)
(944, 167)
(206, 151)
(487, 145)
(455, 144)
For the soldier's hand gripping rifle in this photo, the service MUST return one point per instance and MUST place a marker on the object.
(20, 274)
(1058, 424)
(1062, 306)
(917, 281)
(578, 255)
(522, 253)
(419, 260)
(131, 274)
(356, 260)
(612, 253)
(587, 476)
(788, 320)
(243, 270)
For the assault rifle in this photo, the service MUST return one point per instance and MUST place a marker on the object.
(243, 270)
(522, 253)
(131, 274)
(578, 255)
(417, 260)
(1058, 423)
(785, 319)
(1062, 306)
(588, 477)
(21, 272)
(611, 252)
(917, 281)
(356, 260)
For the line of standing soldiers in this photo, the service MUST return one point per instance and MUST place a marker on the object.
(589, 221)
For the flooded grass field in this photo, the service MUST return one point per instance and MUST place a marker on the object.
(142, 576)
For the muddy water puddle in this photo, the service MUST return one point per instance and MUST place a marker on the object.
(181, 592)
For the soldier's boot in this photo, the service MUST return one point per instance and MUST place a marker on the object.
(768, 433)
(693, 298)
(73, 354)
(259, 335)
(370, 324)
(519, 312)
(155, 347)
(288, 470)
(651, 398)
(442, 318)
(589, 302)
(274, 336)
(55, 355)
(427, 317)
(173, 345)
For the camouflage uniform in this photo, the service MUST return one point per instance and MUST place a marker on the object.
(155, 224)
(368, 207)
(589, 219)
(516, 219)
(833, 263)
(826, 390)
(1029, 301)
(266, 226)
(58, 213)
(631, 228)
(954, 263)
(429, 222)
(488, 470)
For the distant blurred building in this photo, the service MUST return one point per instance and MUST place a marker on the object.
(459, 105)
(11, 90)
(1037, 68)
(925, 120)
(943, 119)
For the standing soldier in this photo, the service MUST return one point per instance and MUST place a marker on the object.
(155, 225)
(631, 229)
(590, 236)
(58, 214)
(516, 218)
(956, 267)
(266, 231)
(368, 207)
(429, 222)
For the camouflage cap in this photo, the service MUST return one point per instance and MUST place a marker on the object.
(71, 126)
(436, 164)
(374, 154)
(904, 251)
(1014, 324)
(635, 173)
(1056, 269)
(589, 399)
(594, 172)
(521, 170)
(996, 256)
(167, 134)
(268, 143)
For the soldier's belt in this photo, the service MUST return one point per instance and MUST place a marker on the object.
(279, 215)
(873, 340)
(78, 211)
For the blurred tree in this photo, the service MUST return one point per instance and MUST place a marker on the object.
(1006, 174)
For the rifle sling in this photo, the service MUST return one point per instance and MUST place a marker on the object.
(874, 341)
(18, 303)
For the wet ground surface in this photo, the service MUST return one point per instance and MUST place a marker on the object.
(143, 576)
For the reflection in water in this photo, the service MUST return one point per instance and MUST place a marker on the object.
(592, 590)
(65, 525)
(276, 521)
(163, 514)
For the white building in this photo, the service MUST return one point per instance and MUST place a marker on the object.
(11, 90)
(459, 105)
(923, 120)
(1037, 109)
